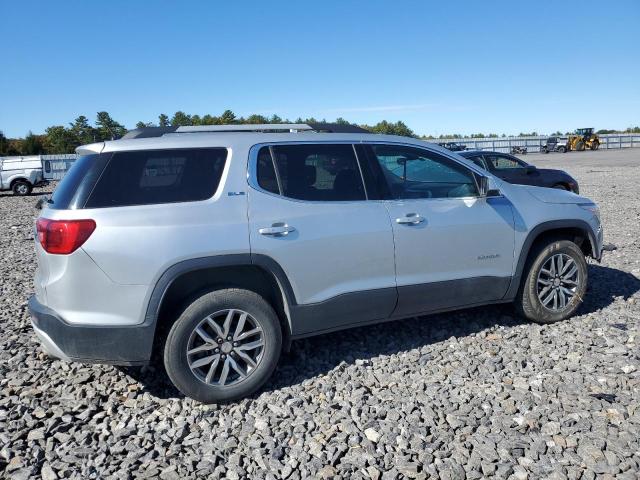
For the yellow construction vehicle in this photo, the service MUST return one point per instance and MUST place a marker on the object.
(582, 139)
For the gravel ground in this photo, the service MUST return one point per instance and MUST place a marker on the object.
(470, 394)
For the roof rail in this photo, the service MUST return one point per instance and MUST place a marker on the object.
(151, 132)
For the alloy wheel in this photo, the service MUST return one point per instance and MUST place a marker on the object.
(225, 348)
(558, 282)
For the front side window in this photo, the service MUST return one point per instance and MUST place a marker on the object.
(416, 173)
(502, 162)
(159, 176)
(315, 172)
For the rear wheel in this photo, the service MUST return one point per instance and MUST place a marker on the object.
(580, 146)
(21, 188)
(224, 346)
(562, 149)
(595, 145)
(554, 284)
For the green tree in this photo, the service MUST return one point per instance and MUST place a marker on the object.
(108, 128)
(163, 120)
(227, 117)
(32, 145)
(60, 140)
(83, 132)
(388, 128)
(180, 119)
(4, 144)
(210, 120)
(256, 119)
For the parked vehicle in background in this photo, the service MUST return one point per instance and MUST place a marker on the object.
(554, 144)
(216, 249)
(518, 150)
(453, 146)
(583, 139)
(21, 174)
(513, 170)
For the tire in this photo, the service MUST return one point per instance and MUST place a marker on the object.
(561, 186)
(580, 146)
(193, 379)
(562, 149)
(528, 301)
(595, 145)
(21, 188)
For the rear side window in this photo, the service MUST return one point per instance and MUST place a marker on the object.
(317, 172)
(158, 176)
(501, 162)
(72, 192)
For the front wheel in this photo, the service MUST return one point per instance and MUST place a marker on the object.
(554, 284)
(224, 346)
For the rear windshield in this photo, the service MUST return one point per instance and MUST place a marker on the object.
(158, 176)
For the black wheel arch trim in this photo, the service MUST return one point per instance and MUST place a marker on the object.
(175, 271)
(534, 233)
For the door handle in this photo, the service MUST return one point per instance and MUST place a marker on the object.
(410, 219)
(277, 230)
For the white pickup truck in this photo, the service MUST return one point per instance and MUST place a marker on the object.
(21, 174)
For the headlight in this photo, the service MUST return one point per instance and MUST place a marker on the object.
(593, 208)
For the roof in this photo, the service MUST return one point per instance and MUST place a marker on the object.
(244, 139)
(155, 132)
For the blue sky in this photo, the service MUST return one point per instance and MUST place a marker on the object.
(442, 67)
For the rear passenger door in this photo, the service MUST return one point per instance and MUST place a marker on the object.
(309, 211)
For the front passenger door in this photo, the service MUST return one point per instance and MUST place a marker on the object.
(452, 247)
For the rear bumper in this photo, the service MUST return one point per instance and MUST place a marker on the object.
(128, 345)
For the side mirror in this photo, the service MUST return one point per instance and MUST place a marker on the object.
(529, 169)
(483, 184)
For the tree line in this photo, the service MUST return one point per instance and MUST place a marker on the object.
(65, 139)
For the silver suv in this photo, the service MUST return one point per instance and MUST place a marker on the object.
(214, 247)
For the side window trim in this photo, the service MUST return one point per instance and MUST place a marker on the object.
(364, 184)
(275, 169)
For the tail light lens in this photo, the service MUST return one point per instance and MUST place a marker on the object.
(63, 237)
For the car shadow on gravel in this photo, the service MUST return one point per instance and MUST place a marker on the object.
(313, 357)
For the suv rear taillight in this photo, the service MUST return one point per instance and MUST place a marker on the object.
(63, 237)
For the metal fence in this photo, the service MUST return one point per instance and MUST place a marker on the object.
(533, 144)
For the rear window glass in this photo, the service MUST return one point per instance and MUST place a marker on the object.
(75, 186)
(159, 176)
(316, 172)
